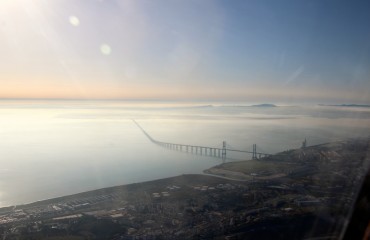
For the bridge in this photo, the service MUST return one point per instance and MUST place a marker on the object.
(203, 150)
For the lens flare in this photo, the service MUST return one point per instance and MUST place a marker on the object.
(105, 49)
(74, 21)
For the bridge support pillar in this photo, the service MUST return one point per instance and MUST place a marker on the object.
(224, 151)
(254, 154)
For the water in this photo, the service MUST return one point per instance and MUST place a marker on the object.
(55, 148)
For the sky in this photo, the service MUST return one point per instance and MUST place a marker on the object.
(219, 50)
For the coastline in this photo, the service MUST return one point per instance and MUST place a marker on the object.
(268, 168)
(189, 178)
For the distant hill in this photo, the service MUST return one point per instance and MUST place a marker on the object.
(264, 105)
(345, 105)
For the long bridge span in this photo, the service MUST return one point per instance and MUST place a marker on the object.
(202, 150)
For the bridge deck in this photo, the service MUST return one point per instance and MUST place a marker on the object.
(209, 151)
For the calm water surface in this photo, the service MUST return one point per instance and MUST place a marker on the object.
(54, 148)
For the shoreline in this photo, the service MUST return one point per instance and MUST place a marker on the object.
(117, 188)
(230, 171)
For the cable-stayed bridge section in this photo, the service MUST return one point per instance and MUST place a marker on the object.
(203, 150)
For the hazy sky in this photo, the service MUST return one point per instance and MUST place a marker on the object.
(314, 50)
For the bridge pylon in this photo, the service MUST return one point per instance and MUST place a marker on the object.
(254, 154)
(224, 151)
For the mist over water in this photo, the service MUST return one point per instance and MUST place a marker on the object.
(55, 148)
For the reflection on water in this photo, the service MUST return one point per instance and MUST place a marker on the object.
(56, 148)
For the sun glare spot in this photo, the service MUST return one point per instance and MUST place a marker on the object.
(74, 21)
(105, 49)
